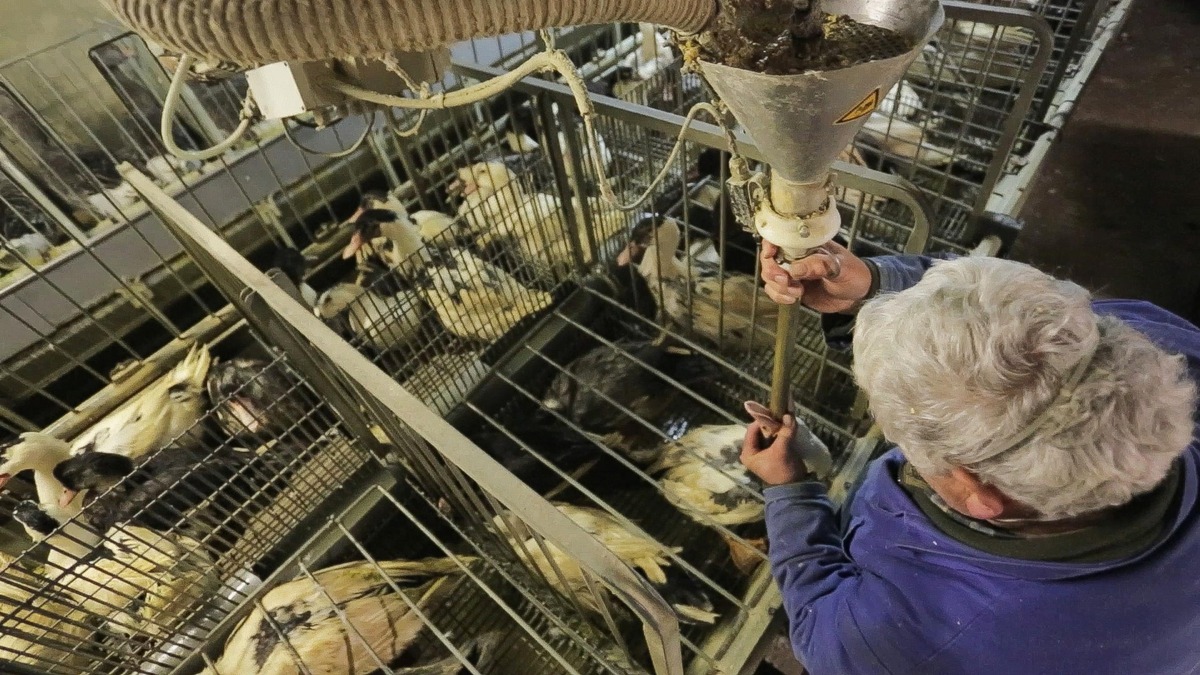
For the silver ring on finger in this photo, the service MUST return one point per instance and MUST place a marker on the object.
(835, 266)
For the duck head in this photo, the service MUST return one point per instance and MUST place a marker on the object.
(659, 233)
(371, 224)
(91, 471)
(34, 451)
(484, 179)
(335, 300)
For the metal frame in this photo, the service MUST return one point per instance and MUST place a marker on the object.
(372, 387)
(1010, 194)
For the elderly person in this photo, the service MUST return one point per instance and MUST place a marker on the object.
(1039, 511)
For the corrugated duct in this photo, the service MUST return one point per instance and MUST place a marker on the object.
(255, 32)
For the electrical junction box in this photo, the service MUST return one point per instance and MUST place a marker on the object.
(290, 88)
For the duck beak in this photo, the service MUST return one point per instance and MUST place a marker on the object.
(356, 242)
(4, 478)
(461, 188)
(627, 254)
(67, 497)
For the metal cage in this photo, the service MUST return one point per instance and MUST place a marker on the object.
(489, 382)
(91, 281)
(457, 478)
(335, 464)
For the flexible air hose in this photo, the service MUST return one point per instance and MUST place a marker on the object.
(255, 32)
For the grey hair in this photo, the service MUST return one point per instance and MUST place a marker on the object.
(980, 347)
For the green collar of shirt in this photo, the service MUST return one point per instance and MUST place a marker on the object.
(1130, 530)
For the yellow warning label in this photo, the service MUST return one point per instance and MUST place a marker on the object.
(862, 108)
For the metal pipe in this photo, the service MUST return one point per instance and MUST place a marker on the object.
(781, 377)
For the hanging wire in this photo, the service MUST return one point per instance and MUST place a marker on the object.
(337, 154)
(169, 111)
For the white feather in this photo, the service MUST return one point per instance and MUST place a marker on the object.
(31, 249)
(384, 322)
(162, 411)
(477, 300)
(696, 297)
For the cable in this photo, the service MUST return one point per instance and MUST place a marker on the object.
(168, 119)
(336, 154)
(556, 61)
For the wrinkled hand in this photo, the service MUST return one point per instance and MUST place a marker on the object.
(776, 462)
(830, 281)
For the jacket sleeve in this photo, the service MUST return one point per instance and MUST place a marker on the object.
(889, 274)
(842, 620)
(898, 272)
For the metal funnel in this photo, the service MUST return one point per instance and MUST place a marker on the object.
(802, 122)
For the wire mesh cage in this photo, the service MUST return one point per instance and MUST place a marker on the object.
(459, 506)
(1073, 24)
(960, 120)
(582, 328)
(310, 473)
(92, 282)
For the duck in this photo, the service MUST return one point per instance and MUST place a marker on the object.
(39, 453)
(31, 249)
(476, 300)
(596, 389)
(293, 264)
(703, 210)
(347, 619)
(136, 578)
(130, 575)
(256, 398)
(182, 489)
(540, 450)
(385, 322)
(725, 309)
(496, 208)
(165, 410)
(701, 474)
(894, 129)
(436, 228)
(646, 556)
(392, 237)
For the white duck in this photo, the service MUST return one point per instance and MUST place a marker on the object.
(702, 475)
(496, 207)
(347, 619)
(40, 453)
(402, 248)
(384, 322)
(645, 555)
(161, 412)
(891, 129)
(477, 300)
(692, 292)
(32, 604)
(140, 577)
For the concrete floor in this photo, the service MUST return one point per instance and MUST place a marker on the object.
(1117, 205)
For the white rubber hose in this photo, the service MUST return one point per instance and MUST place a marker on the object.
(256, 32)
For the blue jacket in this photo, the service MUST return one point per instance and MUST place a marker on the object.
(890, 593)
